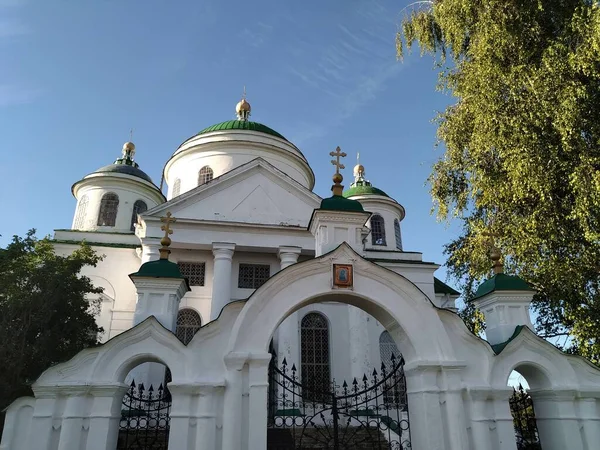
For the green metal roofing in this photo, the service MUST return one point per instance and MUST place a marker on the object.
(363, 190)
(161, 268)
(502, 282)
(339, 203)
(502, 345)
(439, 287)
(242, 125)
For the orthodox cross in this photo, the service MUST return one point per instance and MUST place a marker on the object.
(131, 135)
(336, 162)
(167, 222)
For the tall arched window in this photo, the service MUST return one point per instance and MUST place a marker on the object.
(176, 187)
(377, 230)
(188, 324)
(109, 205)
(205, 175)
(314, 349)
(387, 349)
(81, 210)
(139, 207)
(398, 235)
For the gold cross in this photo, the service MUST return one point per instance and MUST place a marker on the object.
(167, 221)
(336, 162)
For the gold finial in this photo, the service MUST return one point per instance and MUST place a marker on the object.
(243, 108)
(359, 169)
(166, 240)
(495, 254)
(337, 188)
(128, 150)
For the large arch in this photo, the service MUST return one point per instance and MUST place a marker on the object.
(402, 308)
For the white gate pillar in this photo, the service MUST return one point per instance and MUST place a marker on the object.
(71, 428)
(258, 378)
(232, 402)
(557, 421)
(589, 412)
(454, 409)
(505, 427)
(426, 430)
(105, 415)
(41, 422)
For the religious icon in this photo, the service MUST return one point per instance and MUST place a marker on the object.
(342, 275)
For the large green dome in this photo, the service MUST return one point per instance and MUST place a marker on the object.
(242, 125)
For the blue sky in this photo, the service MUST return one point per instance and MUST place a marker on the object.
(78, 75)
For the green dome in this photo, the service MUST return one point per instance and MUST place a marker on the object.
(502, 282)
(359, 189)
(242, 125)
(339, 203)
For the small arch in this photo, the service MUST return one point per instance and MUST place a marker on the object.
(188, 324)
(81, 212)
(205, 175)
(176, 188)
(314, 352)
(377, 230)
(109, 206)
(139, 207)
(523, 413)
(398, 234)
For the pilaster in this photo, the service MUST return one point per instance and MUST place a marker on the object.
(221, 295)
(105, 415)
(258, 378)
(232, 403)
(150, 248)
(557, 420)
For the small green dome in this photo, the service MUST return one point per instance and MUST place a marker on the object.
(501, 282)
(242, 125)
(339, 203)
(363, 189)
(161, 268)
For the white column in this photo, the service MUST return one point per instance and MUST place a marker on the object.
(358, 336)
(71, 428)
(221, 294)
(232, 403)
(258, 378)
(104, 416)
(288, 342)
(150, 248)
(426, 426)
(589, 410)
(557, 422)
(454, 409)
(505, 428)
(41, 421)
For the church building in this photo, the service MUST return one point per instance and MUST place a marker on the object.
(242, 311)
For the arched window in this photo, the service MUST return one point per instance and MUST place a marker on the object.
(109, 205)
(81, 210)
(176, 188)
(205, 175)
(398, 235)
(390, 356)
(188, 324)
(139, 207)
(314, 349)
(377, 230)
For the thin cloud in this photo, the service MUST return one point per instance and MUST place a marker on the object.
(12, 95)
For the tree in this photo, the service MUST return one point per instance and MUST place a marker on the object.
(46, 311)
(522, 148)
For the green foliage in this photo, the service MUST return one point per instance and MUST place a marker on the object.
(46, 311)
(522, 147)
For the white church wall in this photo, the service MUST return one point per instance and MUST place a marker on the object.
(223, 154)
(389, 211)
(239, 257)
(128, 191)
(199, 298)
(420, 274)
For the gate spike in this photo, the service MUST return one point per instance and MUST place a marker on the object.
(345, 385)
(160, 388)
(151, 389)
(141, 387)
(293, 367)
(355, 382)
(284, 362)
(374, 372)
(382, 367)
(402, 360)
(365, 377)
(132, 383)
(393, 358)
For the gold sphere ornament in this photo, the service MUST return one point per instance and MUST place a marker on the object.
(243, 106)
(128, 147)
(338, 178)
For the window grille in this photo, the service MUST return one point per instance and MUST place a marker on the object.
(253, 276)
(176, 187)
(109, 205)
(398, 235)
(188, 324)
(193, 271)
(387, 350)
(81, 210)
(139, 207)
(377, 230)
(205, 175)
(314, 349)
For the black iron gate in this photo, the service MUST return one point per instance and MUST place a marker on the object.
(145, 418)
(521, 407)
(368, 414)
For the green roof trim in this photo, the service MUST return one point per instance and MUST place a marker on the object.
(363, 190)
(242, 125)
(501, 346)
(502, 282)
(161, 268)
(339, 203)
(439, 287)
